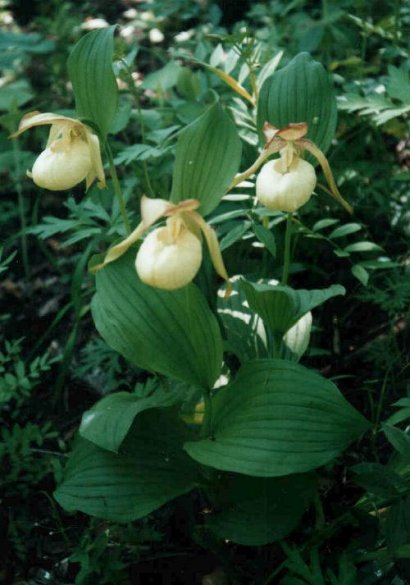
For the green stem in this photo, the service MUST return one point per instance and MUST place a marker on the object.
(135, 94)
(286, 256)
(117, 188)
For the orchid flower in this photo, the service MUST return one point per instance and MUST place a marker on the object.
(287, 183)
(72, 154)
(170, 256)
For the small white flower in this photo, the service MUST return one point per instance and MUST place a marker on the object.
(130, 13)
(156, 36)
(94, 23)
(184, 36)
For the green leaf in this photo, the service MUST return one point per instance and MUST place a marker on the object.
(164, 78)
(15, 94)
(256, 511)
(300, 92)
(137, 152)
(234, 235)
(324, 223)
(107, 423)
(399, 439)
(267, 238)
(378, 480)
(379, 263)
(208, 155)
(281, 306)
(170, 332)
(345, 230)
(150, 470)
(363, 247)
(361, 274)
(398, 83)
(277, 418)
(92, 76)
(398, 524)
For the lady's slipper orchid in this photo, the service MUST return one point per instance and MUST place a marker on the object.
(72, 153)
(285, 184)
(170, 256)
(285, 188)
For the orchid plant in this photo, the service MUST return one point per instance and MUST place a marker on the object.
(259, 433)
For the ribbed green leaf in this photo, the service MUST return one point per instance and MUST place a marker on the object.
(360, 273)
(255, 511)
(300, 92)
(275, 419)
(208, 155)
(151, 470)
(398, 524)
(170, 332)
(265, 236)
(281, 306)
(93, 80)
(345, 230)
(107, 423)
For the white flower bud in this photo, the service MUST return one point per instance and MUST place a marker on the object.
(283, 188)
(169, 257)
(61, 166)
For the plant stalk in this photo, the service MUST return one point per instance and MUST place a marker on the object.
(117, 188)
(286, 255)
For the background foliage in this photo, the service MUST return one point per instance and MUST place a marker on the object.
(53, 365)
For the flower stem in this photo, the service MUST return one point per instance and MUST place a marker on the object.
(136, 96)
(117, 188)
(286, 255)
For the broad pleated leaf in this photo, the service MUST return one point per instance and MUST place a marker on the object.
(93, 80)
(300, 92)
(107, 423)
(170, 332)
(150, 470)
(275, 419)
(208, 155)
(282, 306)
(256, 511)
